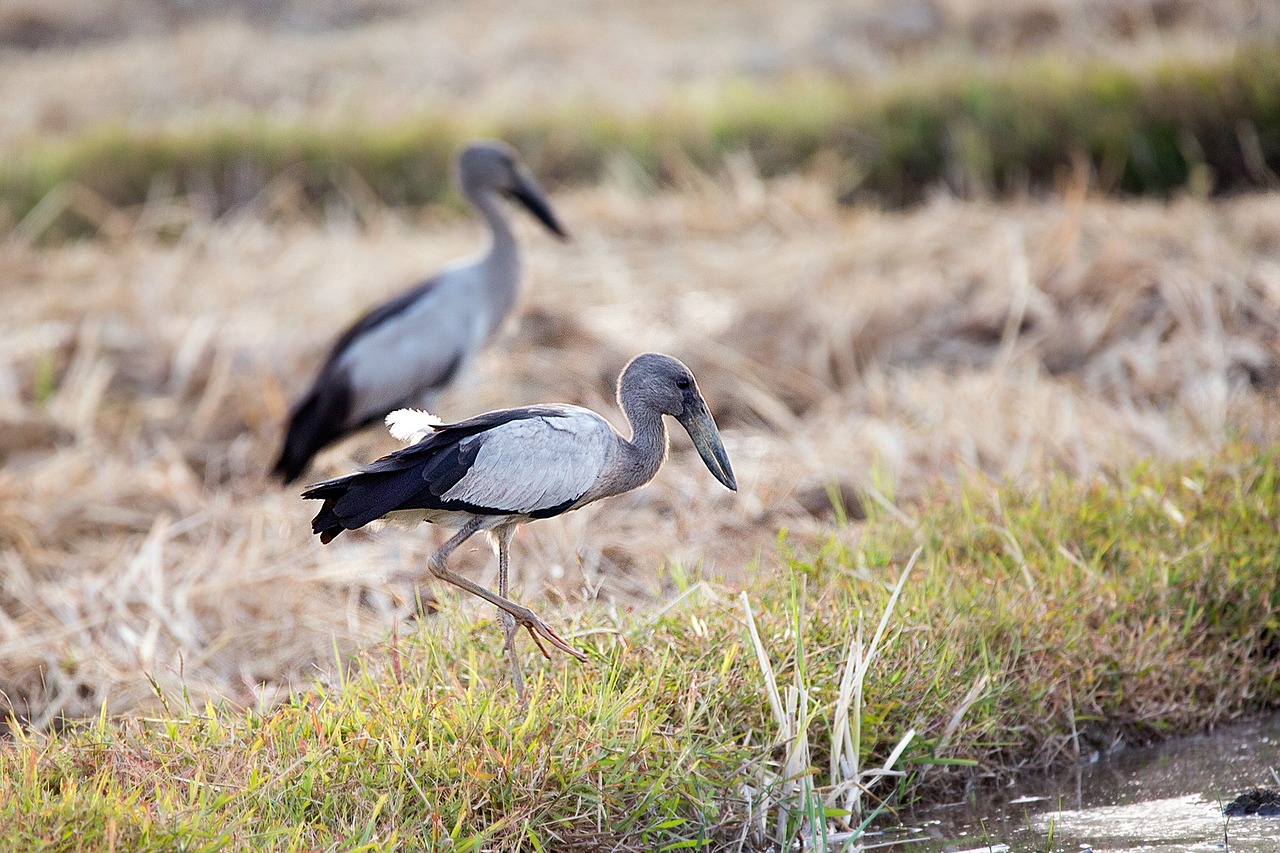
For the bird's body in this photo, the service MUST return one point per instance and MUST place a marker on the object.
(507, 467)
(408, 350)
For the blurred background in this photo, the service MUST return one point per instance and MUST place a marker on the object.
(900, 244)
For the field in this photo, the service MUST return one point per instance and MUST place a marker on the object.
(1073, 387)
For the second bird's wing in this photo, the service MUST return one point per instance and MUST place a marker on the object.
(416, 351)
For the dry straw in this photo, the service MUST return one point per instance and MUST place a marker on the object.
(144, 376)
(154, 63)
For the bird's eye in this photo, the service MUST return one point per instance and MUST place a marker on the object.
(683, 383)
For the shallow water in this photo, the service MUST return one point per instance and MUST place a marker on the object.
(1155, 800)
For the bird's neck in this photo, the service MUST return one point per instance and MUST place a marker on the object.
(489, 206)
(648, 441)
(502, 259)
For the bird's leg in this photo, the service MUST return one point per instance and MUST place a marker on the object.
(523, 615)
(503, 535)
(509, 624)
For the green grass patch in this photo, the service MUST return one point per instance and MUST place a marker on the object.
(1205, 125)
(1033, 625)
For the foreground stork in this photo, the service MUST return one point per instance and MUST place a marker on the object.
(504, 468)
(406, 351)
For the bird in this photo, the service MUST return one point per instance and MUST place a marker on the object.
(408, 350)
(503, 468)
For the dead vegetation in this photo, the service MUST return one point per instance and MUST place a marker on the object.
(1172, 125)
(144, 376)
(70, 67)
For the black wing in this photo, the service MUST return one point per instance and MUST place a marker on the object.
(317, 420)
(413, 477)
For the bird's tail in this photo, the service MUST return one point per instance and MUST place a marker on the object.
(326, 524)
(318, 420)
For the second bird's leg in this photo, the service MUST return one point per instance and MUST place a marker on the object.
(503, 535)
(523, 615)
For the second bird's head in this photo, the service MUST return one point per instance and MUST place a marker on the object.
(494, 165)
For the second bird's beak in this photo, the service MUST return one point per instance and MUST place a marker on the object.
(701, 427)
(530, 195)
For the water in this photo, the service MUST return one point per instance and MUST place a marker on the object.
(1155, 800)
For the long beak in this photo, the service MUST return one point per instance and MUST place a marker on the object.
(701, 427)
(530, 195)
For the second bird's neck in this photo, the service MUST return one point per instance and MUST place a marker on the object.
(503, 239)
(502, 258)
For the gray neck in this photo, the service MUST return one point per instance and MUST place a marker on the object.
(648, 445)
(633, 462)
(502, 261)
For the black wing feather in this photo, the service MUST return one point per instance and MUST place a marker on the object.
(317, 420)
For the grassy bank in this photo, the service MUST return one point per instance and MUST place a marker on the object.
(1206, 125)
(1033, 627)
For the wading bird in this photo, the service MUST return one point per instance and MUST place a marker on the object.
(504, 468)
(406, 351)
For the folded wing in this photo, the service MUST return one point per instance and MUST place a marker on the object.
(537, 461)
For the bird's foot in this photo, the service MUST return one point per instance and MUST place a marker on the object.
(543, 629)
(540, 631)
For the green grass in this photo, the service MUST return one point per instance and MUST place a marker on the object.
(1201, 125)
(1032, 624)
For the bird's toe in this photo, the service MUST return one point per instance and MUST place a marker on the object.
(540, 630)
(549, 634)
(509, 629)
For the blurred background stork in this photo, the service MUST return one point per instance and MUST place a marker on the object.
(406, 351)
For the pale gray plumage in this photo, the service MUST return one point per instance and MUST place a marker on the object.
(504, 468)
(406, 351)
(536, 463)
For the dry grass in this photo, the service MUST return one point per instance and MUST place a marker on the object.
(148, 62)
(144, 375)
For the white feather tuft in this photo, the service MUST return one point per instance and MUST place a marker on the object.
(411, 425)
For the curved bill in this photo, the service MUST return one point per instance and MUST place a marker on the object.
(706, 437)
(530, 195)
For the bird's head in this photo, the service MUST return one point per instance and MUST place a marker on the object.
(664, 385)
(494, 165)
